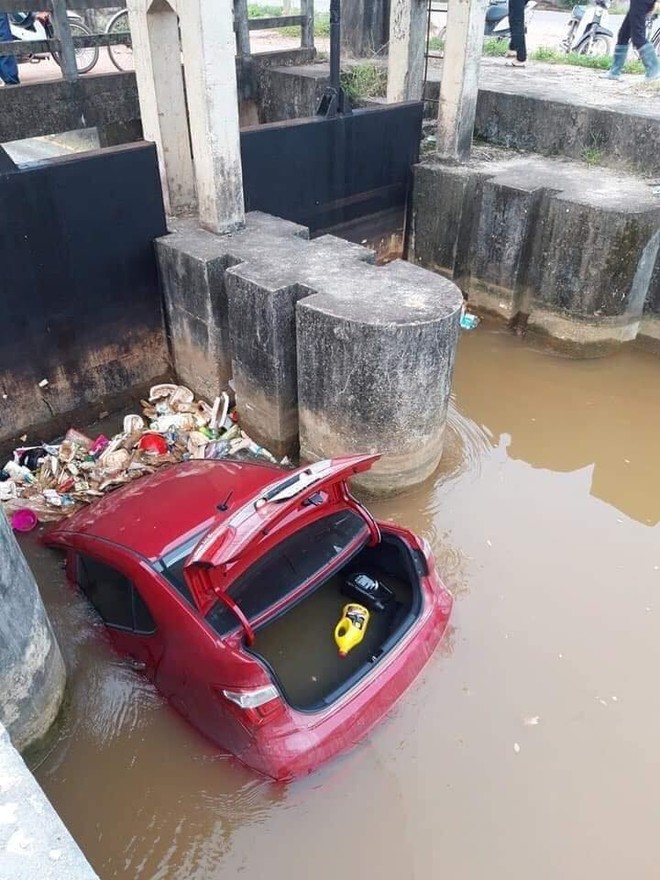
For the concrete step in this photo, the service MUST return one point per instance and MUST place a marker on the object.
(565, 249)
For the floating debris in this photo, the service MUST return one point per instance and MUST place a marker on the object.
(53, 480)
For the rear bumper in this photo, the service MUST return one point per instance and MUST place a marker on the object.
(296, 743)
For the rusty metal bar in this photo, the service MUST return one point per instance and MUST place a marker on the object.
(263, 24)
(38, 47)
(62, 28)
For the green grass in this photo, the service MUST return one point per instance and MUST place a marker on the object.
(495, 48)
(256, 11)
(364, 81)
(594, 62)
(592, 155)
(492, 47)
(321, 25)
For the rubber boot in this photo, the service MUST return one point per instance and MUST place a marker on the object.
(620, 55)
(650, 61)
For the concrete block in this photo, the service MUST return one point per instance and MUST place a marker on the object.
(560, 248)
(324, 344)
(32, 674)
(375, 371)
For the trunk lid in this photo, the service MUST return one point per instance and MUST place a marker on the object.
(226, 542)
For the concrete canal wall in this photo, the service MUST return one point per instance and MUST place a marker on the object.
(32, 674)
(79, 285)
(559, 248)
(34, 842)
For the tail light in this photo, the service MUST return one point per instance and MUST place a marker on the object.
(257, 705)
(252, 699)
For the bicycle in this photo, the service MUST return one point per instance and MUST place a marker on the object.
(121, 54)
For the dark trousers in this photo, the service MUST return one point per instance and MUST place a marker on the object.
(517, 26)
(8, 65)
(634, 24)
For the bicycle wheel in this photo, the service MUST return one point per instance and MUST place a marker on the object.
(86, 57)
(121, 55)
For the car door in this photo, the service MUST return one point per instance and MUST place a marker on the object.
(130, 622)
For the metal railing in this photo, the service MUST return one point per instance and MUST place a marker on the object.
(63, 44)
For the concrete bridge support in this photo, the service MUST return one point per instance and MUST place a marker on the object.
(329, 353)
(155, 35)
(198, 141)
(32, 674)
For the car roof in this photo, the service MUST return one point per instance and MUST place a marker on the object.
(153, 514)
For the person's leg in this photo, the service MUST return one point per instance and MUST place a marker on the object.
(639, 9)
(517, 26)
(620, 50)
(8, 65)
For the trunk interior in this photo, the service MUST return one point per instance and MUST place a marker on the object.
(299, 645)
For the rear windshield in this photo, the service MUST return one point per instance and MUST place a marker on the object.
(287, 566)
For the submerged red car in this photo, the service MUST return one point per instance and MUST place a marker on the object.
(223, 582)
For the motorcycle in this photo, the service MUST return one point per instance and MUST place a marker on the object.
(30, 26)
(586, 33)
(497, 19)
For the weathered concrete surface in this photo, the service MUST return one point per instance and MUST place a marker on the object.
(405, 62)
(552, 110)
(159, 77)
(266, 81)
(106, 102)
(292, 92)
(209, 48)
(34, 843)
(460, 81)
(323, 343)
(552, 246)
(564, 111)
(193, 266)
(375, 370)
(32, 674)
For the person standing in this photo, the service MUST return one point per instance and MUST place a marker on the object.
(8, 64)
(517, 45)
(633, 28)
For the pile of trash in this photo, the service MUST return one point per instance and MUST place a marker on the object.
(53, 480)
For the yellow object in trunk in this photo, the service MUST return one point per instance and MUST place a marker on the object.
(350, 630)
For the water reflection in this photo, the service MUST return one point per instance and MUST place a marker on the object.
(563, 414)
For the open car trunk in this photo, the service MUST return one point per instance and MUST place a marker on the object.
(299, 646)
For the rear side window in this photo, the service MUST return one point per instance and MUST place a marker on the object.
(287, 566)
(113, 596)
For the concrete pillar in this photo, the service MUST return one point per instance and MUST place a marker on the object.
(32, 674)
(375, 371)
(157, 55)
(405, 69)
(460, 78)
(207, 34)
(364, 27)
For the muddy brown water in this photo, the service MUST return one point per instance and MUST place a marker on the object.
(528, 748)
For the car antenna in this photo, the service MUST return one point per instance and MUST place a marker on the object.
(225, 503)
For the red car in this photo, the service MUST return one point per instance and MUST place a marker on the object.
(223, 582)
